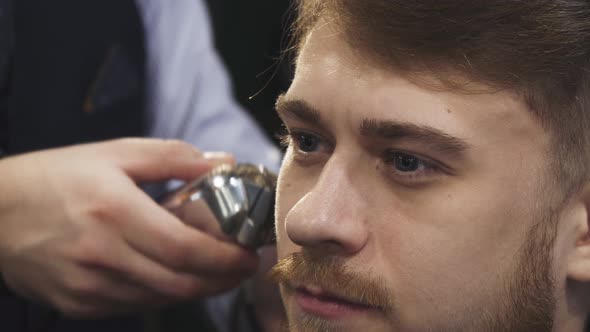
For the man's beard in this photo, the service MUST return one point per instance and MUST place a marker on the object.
(525, 303)
(530, 301)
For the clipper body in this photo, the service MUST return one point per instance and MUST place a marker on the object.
(240, 197)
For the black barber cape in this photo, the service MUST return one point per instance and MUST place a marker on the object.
(72, 71)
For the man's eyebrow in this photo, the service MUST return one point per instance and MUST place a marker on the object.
(298, 109)
(393, 130)
(380, 129)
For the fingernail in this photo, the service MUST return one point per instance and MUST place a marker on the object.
(216, 155)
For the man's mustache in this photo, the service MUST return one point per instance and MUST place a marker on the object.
(330, 274)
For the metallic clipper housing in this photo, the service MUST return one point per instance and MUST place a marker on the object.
(241, 198)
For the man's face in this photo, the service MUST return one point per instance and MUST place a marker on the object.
(408, 208)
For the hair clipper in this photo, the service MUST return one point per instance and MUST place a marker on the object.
(241, 198)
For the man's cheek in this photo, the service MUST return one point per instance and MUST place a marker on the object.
(285, 200)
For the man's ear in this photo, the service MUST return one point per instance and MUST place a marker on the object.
(579, 259)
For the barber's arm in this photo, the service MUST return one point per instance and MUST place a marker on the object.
(78, 234)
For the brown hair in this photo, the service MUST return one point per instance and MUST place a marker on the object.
(540, 49)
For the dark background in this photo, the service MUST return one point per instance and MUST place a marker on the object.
(250, 37)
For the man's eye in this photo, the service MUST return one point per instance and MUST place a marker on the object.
(406, 163)
(409, 169)
(306, 142)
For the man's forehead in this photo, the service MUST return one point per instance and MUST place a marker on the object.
(338, 81)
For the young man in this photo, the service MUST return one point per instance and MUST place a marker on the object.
(436, 177)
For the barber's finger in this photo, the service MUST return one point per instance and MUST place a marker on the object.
(122, 294)
(105, 294)
(198, 215)
(108, 291)
(158, 234)
(102, 295)
(214, 285)
(156, 159)
(133, 267)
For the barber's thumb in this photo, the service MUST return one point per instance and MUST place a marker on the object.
(158, 160)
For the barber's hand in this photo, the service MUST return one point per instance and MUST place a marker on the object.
(78, 234)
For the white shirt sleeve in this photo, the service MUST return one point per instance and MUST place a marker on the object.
(189, 93)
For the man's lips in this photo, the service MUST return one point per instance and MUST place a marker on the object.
(316, 301)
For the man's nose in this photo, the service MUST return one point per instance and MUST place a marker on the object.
(332, 216)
